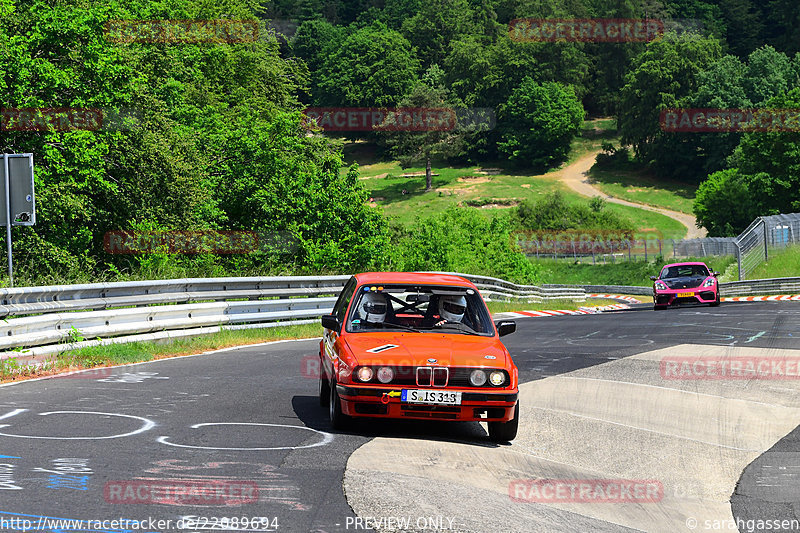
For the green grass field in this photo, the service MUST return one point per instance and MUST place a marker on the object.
(782, 263)
(404, 200)
(638, 187)
(633, 273)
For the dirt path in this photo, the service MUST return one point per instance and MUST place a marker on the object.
(576, 177)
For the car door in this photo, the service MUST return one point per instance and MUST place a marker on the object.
(330, 338)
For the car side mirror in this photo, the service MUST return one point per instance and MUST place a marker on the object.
(715, 273)
(331, 322)
(505, 327)
(653, 278)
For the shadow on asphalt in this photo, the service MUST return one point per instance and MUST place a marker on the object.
(314, 416)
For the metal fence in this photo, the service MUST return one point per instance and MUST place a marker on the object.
(39, 322)
(751, 248)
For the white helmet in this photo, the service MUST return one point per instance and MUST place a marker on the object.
(452, 308)
(373, 307)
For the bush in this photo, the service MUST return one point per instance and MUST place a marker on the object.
(462, 240)
(553, 212)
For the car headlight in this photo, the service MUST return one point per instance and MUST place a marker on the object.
(364, 373)
(660, 285)
(477, 378)
(497, 378)
(385, 374)
(709, 282)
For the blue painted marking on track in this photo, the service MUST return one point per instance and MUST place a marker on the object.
(12, 522)
(8, 457)
(68, 481)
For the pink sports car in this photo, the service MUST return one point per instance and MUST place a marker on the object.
(680, 283)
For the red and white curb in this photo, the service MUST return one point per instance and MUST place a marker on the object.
(560, 312)
(783, 298)
(630, 299)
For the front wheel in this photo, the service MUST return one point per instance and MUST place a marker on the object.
(339, 420)
(505, 431)
(716, 302)
(324, 388)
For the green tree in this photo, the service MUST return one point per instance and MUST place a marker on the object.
(374, 66)
(665, 76)
(724, 204)
(412, 147)
(772, 160)
(769, 73)
(539, 122)
(435, 25)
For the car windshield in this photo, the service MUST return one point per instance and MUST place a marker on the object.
(685, 271)
(419, 308)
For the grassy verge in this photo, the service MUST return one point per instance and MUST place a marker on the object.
(783, 263)
(505, 307)
(120, 354)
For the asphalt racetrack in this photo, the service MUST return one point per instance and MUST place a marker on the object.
(236, 440)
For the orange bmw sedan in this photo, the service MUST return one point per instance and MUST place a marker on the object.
(417, 346)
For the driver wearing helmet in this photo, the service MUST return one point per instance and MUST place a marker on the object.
(373, 308)
(451, 309)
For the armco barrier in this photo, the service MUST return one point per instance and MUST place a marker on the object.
(43, 321)
(755, 287)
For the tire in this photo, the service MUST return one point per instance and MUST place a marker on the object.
(716, 302)
(339, 420)
(659, 307)
(505, 431)
(324, 387)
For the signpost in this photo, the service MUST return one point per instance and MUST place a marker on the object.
(19, 205)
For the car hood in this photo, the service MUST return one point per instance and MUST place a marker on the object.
(684, 283)
(415, 349)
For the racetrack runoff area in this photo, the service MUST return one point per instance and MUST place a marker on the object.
(618, 421)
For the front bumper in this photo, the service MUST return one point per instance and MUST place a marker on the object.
(700, 295)
(476, 405)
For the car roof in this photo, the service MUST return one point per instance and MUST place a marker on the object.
(428, 278)
(685, 264)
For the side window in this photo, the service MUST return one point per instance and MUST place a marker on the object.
(340, 308)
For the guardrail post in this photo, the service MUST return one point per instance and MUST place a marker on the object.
(739, 260)
(766, 252)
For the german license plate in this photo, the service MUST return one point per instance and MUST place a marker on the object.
(437, 397)
(685, 295)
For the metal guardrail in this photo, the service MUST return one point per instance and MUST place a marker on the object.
(42, 321)
(756, 287)
(761, 287)
(610, 289)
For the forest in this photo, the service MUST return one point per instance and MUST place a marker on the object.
(217, 139)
